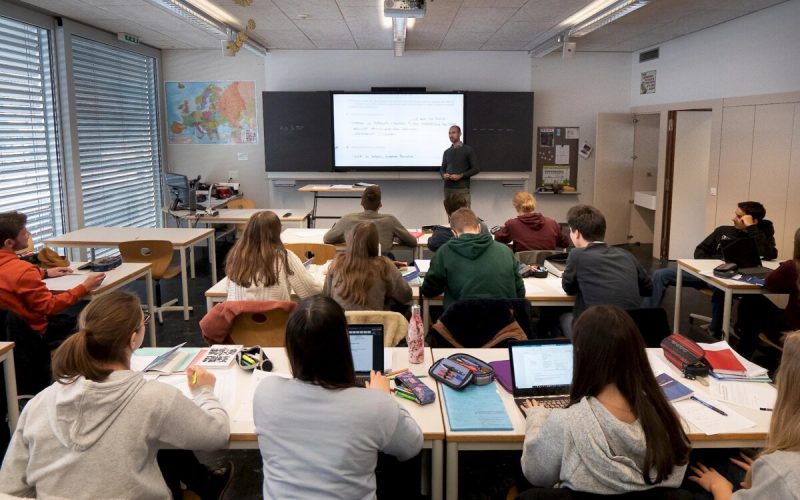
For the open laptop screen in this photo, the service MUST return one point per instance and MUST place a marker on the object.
(541, 367)
(366, 346)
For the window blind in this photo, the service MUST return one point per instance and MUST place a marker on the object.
(118, 140)
(29, 167)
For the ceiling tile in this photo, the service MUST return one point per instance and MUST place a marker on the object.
(335, 44)
(504, 44)
(493, 3)
(322, 29)
(374, 42)
(480, 19)
(464, 40)
(315, 9)
(290, 39)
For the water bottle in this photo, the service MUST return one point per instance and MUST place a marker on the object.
(416, 337)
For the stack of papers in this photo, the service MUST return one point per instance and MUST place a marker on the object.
(753, 372)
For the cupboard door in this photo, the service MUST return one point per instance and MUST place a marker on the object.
(736, 151)
(613, 173)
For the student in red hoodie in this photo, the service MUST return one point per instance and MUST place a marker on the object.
(530, 230)
(22, 287)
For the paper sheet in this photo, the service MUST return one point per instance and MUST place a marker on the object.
(754, 395)
(709, 421)
(65, 282)
(224, 388)
(562, 155)
(244, 411)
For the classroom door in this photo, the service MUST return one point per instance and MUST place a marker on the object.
(613, 173)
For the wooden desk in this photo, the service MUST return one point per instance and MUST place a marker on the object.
(513, 440)
(697, 268)
(330, 191)
(7, 358)
(181, 239)
(428, 417)
(116, 278)
(298, 217)
(543, 292)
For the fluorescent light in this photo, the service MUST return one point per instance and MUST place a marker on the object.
(399, 35)
(550, 45)
(608, 15)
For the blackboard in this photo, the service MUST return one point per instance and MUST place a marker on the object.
(297, 131)
(499, 126)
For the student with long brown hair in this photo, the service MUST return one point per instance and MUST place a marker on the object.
(776, 471)
(260, 268)
(618, 432)
(360, 279)
(96, 431)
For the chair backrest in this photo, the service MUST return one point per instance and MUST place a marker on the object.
(652, 323)
(322, 252)
(395, 325)
(568, 494)
(240, 203)
(155, 252)
(535, 256)
(267, 329)
(482, 323)
(31, 353)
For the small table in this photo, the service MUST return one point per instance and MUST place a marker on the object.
(294, 216)
(701, 268)
(343, 191)
(116, 278)
(317, 235)
(7, 358)
(181, 239)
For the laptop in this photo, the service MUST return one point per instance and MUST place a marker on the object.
(542, 370)
(556, 264)
(366, 346)
(744, 253)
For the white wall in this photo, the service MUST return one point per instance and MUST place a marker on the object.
(751, 55)
(570, 93)
(214, 161)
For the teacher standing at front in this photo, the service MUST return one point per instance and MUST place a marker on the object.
(459, 163)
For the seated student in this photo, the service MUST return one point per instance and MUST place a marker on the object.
(618, 433)
(360, 279)
(598, 273)
(259, 268)
(530, 230)
(776, 471)
(388, 225)
(319, 433)
(757, 314)
(96, 431)
(472, 265)
(748, 222)
(442, 234)
(23, 291)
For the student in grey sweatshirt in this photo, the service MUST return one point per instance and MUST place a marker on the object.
(776, 471)
(318, 433)
(96, 431)
(618, 433)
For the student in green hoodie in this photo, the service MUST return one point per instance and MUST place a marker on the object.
(472, 265)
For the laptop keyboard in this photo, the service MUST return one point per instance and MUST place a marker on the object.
(362, 379)
(550, 403)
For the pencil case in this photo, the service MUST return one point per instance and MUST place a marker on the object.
(686, 355)
(422, 392)
(251, 358)
(459, 370)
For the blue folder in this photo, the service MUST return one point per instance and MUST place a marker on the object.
(476, 408)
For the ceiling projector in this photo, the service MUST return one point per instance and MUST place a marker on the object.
(404, 8)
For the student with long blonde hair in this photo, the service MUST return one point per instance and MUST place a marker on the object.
(95, 432)
(260, 268)
(776, 471)
(360, 279)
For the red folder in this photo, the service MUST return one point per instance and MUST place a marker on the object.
(724, 362)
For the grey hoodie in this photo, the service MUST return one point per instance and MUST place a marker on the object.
(775, 475)
(586, 448)
(99, 439)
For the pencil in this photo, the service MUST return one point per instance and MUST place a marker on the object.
(395, 372)
(194, 378)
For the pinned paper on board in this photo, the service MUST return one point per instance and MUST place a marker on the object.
(572, 133)
(546, 137)
(555, 174)
(562, 154)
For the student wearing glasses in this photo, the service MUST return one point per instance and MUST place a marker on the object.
(618, 433)
(95, 432)
(319, 433)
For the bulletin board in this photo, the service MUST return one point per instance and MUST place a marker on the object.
(557, 156)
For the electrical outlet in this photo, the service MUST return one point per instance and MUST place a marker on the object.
(712, 191)
(233, 175)
(242, 156)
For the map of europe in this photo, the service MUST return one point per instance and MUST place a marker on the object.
(211, 112)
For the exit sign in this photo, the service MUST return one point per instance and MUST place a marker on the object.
(128, 38)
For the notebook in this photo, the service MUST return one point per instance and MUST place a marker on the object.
(744, 253)
(724, 362)
(541, 370)
(366, 346)
(673, 390)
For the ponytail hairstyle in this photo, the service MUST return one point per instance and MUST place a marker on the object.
(103, 337)
(608, 349)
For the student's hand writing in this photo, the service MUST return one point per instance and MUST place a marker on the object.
(711, 481)
(92, 282)
(55, 272)
(198, 376)
(378, 381)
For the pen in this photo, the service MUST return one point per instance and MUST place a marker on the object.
(418, 376)
(709, 406)
(395, 372)
(765, 409)
(249, 359)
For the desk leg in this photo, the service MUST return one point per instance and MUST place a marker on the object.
(11, 391)
(676, 319)
(426, 314)
(313, 220)
(149, 285)
(212, 257)
(437, 470)
(726, 315)
(184, 285)
(191, 260)
(452, 471)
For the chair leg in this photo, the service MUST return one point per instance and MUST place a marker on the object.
(158, 302)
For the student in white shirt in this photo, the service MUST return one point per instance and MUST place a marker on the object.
(319, 433)
(260, 268)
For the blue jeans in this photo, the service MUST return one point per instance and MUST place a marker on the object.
(667, 277)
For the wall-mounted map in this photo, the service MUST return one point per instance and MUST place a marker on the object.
(211, 112)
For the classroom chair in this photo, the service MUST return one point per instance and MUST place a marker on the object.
(240, 203)
(481, 323)
(567, 494)
(321, 252)
(159, 254)
(395, 325)
(652, 323)
(267, 329)
(535, 256)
